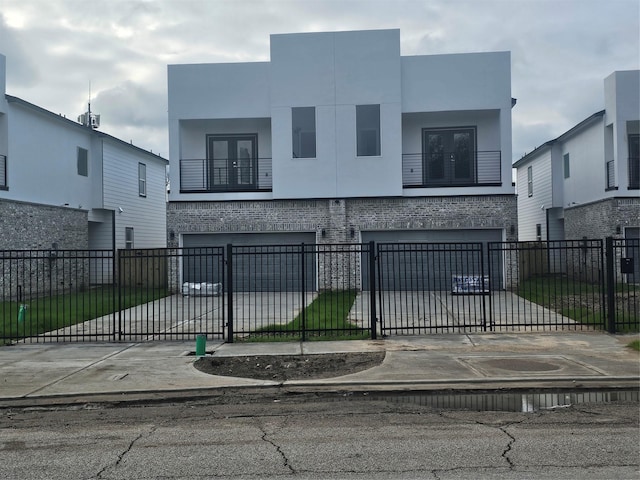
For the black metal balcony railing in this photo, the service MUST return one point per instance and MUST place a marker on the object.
(451, 169)
(634, 173)
(237, 175)
(445, 169)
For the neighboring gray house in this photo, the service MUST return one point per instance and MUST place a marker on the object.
(341, 139)
(64, 185)
(586, 182)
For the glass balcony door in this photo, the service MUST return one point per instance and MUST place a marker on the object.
(232, 161)
(449, 156)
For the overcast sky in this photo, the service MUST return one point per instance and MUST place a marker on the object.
(561, 50)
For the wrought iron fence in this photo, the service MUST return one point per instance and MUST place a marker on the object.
(432, 287)
(623, 284)
(309, 291)
(557, 285)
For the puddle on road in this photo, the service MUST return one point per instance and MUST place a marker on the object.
(505, 402)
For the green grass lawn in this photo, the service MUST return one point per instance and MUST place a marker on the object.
(46, 314)
(324, 319)
(581, 301)
(635, 345)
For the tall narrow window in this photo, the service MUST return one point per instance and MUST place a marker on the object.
(142, 179)
(303, 132)
(3, 172)
(538, 232)
(368, 130)
(128, 238)
(83, 162)
(530, 181)
(567, 171)
(634, 161)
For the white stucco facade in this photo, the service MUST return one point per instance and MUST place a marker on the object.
(338, 138)
(335, 72)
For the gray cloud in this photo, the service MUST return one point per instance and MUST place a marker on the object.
(561, 50)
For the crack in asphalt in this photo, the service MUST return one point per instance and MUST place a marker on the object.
(126, 451)
(285, 460)
(505, 453)
(512, 439)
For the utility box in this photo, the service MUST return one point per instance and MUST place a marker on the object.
(626, 265)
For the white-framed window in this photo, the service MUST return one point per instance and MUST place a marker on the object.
(83, 162)
(538, 232)
(303, 132)
(567, 170)
(128, 238)
(530, 181)
(368, 130)
(142, 179)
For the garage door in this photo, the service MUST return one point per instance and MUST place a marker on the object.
(427, 259)
(261, 261)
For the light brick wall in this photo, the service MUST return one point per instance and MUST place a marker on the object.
(34, 227)
(601, 219)
(337, 217)
(28, 226)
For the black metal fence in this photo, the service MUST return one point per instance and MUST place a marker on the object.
(309, 291)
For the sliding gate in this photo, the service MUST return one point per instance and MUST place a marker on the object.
(433, 287)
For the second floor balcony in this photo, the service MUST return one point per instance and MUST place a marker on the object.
(456, 168)
(420, 170)
(225, 175)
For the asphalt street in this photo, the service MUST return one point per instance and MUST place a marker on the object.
(316, 438)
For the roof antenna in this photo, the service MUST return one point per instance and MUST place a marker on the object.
(89, 119)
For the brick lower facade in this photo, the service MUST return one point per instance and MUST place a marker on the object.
(338, 216)
(33, 233)
(30, 226)
(606, 218)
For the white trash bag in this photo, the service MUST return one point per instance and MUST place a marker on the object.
(203, 289)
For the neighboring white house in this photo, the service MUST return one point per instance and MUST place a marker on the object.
(586, 182)
(64, 185)
(339, 138)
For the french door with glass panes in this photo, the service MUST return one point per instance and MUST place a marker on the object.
(232, 161)
(449, 156)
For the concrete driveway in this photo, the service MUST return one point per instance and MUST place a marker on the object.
(411, 313)
(179, 317)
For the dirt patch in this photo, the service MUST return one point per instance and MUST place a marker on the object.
(624, 301)
(290, 367)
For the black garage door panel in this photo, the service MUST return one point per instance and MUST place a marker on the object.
(427, 259)
(261, 262)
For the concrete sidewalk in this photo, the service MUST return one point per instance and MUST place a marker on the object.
(54, 373)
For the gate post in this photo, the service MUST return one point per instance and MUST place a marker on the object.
(372, 291)
(487, 287)
(302, 298)
(610, 285)
(229, 293)
(120, 306)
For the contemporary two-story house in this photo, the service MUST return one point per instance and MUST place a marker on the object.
(338, 138)
(64, 185)
(586, 182)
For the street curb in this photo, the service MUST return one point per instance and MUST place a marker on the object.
(461, 387)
